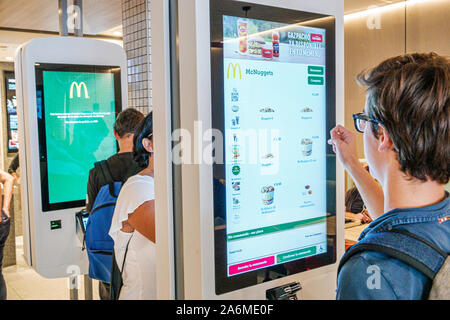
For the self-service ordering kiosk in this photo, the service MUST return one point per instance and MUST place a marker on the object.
(265, 207)
(69, 91)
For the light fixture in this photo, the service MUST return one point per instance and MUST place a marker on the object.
(390, 6)
(117, 33)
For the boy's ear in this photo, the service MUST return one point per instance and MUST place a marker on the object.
(384, 141)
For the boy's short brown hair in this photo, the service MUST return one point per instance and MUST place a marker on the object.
(410, 96)
(127, 121)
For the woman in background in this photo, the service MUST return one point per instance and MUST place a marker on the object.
(133, 223)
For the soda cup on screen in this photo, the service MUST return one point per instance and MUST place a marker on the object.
(242, 28)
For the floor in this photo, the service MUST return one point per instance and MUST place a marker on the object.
(23, 283)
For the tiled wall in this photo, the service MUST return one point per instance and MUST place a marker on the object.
(137, 44)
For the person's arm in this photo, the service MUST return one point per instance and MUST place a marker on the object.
(344, 145)
(143, 220)
(8, 184)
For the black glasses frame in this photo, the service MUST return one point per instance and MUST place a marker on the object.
(362, 116)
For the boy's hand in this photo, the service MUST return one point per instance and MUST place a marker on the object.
(344, 145)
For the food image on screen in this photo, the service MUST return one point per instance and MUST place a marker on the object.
(75, 131)
(278, 78)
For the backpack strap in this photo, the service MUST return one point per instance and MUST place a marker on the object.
(107, 176)
(125, 255)
(402, 245)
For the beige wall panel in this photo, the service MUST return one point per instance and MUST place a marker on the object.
(365, 48)
(428, 26)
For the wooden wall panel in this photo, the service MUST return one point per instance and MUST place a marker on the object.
(365, 48)
(428, 26)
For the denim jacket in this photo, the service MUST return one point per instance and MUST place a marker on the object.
(396, 280)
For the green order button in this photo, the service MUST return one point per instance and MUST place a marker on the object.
(315, 70)
(315, 80)
(296, 254)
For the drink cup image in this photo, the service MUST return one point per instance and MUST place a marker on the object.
(306, 147)
(242, 28)
(267, 193)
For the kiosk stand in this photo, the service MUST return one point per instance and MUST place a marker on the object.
(69, 90)
(254, 90)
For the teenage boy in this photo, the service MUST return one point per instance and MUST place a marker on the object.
(121, 165)
(406, 128)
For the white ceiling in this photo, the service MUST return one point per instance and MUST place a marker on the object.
(100, 18)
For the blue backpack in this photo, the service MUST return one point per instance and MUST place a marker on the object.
(413, 250)
(99, 244)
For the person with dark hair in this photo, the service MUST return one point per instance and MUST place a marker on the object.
(406, 128)
(14, 166)
(121, 166)
(355, 209)
(5, 223)
(133, 223)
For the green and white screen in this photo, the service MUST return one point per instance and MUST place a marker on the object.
(79, 113)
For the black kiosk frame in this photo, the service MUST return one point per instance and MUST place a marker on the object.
(218, 9)
(39, 69)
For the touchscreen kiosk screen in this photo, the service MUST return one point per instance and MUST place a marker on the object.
(76, 113)
(274, 86)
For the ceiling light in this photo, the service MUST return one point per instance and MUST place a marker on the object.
(117, 33)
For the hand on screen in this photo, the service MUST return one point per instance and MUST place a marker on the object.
(344, 145)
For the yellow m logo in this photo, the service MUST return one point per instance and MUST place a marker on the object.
(78, 87)
(234, 66)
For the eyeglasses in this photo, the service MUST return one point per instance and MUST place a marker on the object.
(360, 120)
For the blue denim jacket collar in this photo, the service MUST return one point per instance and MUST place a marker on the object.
(396, 217)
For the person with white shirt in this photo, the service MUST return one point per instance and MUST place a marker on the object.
(133, 223)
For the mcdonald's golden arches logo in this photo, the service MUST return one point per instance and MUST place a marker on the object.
(234, 67)
(78, 87)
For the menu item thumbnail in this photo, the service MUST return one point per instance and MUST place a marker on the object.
(276, 43)
(267, 193)
(307, 110)
(267, 51)
(236, 153)
(235, 95)
(306, 147)
(237, 186)
(242, 26)
(266, 110)
(255, 45)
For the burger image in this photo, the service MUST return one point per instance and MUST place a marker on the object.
(307, 109)
(267, 193)
(255, 45)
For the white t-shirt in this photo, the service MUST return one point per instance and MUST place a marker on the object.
(139, 274)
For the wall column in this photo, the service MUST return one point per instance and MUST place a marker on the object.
(137, 45)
